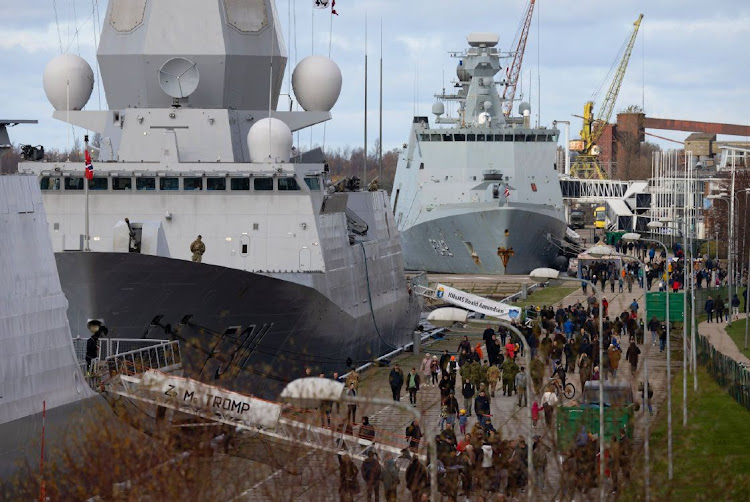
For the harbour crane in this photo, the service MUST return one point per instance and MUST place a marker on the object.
(586, 164)
(514, 70)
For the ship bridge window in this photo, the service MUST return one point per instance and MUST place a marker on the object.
(447, 137)
(122, 184)
(73, 183)
(519, 137)
(471, 137)
(436, 137)
(313, 183)
(459, 137)
(169, 184)
(424, 137)
(145, 184)
(192, 183)
(239, 183)
(216, 184)
(263, 184)
(99, 184)
(508, 137)
(541, 138)
(49, 183)
(530, 137)
(288, 184)
(480, 137)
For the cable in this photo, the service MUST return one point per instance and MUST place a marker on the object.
(57, 23)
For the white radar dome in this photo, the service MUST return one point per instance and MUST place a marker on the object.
(438, 108)
(68, 81)
(523, 108)
(269, 140)
(317, 83)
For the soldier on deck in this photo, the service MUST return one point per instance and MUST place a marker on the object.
(197, 248)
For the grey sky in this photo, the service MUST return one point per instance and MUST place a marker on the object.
(694, 53)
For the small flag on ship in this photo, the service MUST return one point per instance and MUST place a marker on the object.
(323, 4)
(507, 192)
(89, 166)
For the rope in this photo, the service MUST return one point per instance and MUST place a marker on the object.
(57, 23)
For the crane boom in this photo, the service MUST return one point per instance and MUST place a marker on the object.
(515, 68)
(608, 106)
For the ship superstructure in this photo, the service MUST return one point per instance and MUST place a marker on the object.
(479, 192)
(294, 274)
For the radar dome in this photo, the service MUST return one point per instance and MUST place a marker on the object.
(269, 140)
(68, 81)
(523, 108)
(317, 83)
(462, 73)
(438, 108)
(487, 105)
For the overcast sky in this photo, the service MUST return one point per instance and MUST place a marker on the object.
(691, 60)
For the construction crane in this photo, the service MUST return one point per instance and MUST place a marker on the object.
(586, 164)
(514, 70)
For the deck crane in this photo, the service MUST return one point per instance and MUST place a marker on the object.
(586, 164)
(514, 70)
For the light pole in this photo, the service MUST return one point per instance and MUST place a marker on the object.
(747, 286)
(310, 392)
(636, 236)
(552, 274)
(730, 205)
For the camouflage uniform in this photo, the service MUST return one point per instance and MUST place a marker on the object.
(197, 248)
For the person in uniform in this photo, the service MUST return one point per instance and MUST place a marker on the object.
(197, 248)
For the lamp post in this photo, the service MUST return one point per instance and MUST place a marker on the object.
(552, 274)
(747, 286)
(636, 236)
(730, 205)
(312, 391)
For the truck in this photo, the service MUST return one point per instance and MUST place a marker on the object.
(619, 413)
(576, 219)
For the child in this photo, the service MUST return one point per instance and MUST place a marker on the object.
(462, 421)
(534, 414)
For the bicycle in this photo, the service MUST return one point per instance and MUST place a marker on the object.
(568, 391)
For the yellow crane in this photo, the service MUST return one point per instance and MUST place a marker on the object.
(586, 165)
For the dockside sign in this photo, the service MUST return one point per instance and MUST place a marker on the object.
(477, 303)
(185, 394)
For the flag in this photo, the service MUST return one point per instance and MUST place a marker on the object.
(320, 4)
(333, 7)
(507, 192)
(89, 166)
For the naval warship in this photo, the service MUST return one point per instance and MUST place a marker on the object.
(290, 272)
(480, 195)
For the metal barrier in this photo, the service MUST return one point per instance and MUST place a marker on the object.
(728, 373)
(164, 357)
(112, 346)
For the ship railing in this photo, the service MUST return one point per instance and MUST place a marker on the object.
(112, 346)
(165, 357)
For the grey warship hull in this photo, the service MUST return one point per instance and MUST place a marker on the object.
(464, 239)
(240, 330)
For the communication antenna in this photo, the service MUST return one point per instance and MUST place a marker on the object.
(179, 78)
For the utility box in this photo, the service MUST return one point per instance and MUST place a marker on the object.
(656, 305)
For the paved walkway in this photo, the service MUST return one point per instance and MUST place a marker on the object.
(720, 339)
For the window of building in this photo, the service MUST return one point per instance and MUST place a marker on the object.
(313, 183)
(99, 184)
(216, 184)
(73, 183)
(169, 184)
(49, 183)
(145, 183)
(192, 183)
(239, 183)
(263, 183)
(122, 184)
(288, 184)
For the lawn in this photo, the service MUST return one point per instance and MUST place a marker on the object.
(711, 458)
(547, 296)
(737, 331)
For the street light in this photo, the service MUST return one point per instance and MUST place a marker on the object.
(309, 392)
(552, 274)
(730, 234)
(632, 236)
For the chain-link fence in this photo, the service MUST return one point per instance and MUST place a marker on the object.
(728, 373)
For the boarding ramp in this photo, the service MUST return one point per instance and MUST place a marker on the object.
(470, 302)
(275, 421)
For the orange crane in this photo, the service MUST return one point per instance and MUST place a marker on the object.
(514, 70)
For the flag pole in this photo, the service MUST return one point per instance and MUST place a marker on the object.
(86, 192)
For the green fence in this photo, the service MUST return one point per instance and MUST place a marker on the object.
(727, 372)
(656, 305)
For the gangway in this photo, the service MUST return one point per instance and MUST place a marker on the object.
(470, 302)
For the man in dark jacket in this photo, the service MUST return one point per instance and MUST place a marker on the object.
(468, 391)
(348, 484)
(371, 473)
(632, 356)
(92, 344)
(414, 435)
(482, 407)
(417, 480)
(412, 385)
(367, 430)
(396, 380)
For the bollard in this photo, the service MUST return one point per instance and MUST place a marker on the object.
(417, 341)
(524, 291)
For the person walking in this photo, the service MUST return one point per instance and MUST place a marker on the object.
(417, 479)
(412, 385)
(434, 366)
(735, 307)
(348, 484)
(632, 356)
(351, 413)
(709, 308)
(482, 408)
(539, 460)
(521, 387)
(396, 380)
(467, 391)
(653, 327)
(413, 435)
(493, 375)
(425, 367)
(390, 477)
(371, 474)
(549, 400)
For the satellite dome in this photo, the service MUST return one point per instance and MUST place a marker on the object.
(438, 108)
(68, 81)
(317, 83)
(487, 105)
(523, 108)
(462, 73)
(269, 140)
